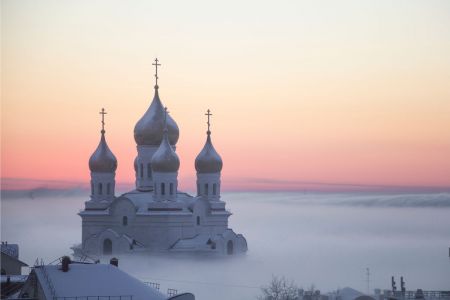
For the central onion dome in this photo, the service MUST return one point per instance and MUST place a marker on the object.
(149, 129)
(208, 160)
(103, 160)
(165, 160)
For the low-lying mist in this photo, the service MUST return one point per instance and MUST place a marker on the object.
(312, 238)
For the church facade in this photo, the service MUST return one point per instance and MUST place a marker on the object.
(156, 216)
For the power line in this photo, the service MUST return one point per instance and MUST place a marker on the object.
(208, 283)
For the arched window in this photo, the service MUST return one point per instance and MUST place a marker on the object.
(198, 220)
(163, 189)
(141, 170)
(108, 188)
(230, 247)
(125, 221)
(206, 189)
(100, 188)
(149, 170)
(171, 188)
(214, 189)
(107, 247)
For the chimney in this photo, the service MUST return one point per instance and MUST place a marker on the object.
(114, 261)
(65, 263)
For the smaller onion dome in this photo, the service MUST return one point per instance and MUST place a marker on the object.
(208, 160)
(103, 160)
(165, 159)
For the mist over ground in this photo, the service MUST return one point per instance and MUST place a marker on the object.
(326, 239)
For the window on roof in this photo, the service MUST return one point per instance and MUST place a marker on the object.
(125, 221)
(198, 220)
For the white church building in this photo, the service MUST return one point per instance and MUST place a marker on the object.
(156, 216)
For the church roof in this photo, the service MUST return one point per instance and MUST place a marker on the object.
(93, 280)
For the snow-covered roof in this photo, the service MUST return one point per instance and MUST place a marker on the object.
(348, 293)
(10, 249)
(198, 242)
(146, 205)
(142, 200)
(93, 280)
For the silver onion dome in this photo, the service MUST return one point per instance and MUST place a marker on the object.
(149, 129)
(208, 160)
(103, 160)
(165, 160)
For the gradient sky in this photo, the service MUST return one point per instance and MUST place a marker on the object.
(342, 92)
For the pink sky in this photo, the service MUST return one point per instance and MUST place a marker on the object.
(301, 92)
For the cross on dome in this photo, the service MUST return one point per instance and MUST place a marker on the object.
(103, 113)
(209, 114)
(156, 64)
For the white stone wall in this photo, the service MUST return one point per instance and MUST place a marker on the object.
(156, 230)
(165, 186)
(144, 176)
(102, 186)
(208, 185)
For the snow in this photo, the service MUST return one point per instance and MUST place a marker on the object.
(14, 278)
(94, 280)
(348, 293)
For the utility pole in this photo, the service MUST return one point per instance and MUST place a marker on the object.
(368, 280)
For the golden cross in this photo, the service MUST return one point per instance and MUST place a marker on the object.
(103, 113)
(209, 114)
(156, 68)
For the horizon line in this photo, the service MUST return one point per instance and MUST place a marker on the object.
(250, 184)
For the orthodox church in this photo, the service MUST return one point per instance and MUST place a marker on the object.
(156, 216)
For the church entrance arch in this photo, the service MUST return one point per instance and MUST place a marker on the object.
(107, 247)
(230, 247)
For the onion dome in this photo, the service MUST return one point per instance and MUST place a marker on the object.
(208, 160)
(165, 159)
(149, 129)
(103, 160)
